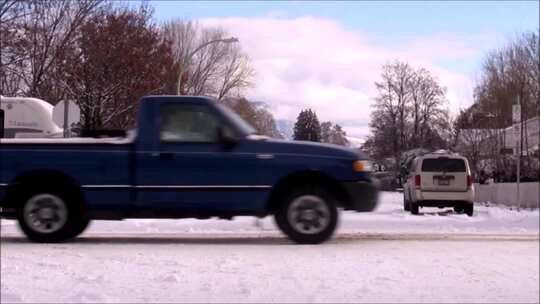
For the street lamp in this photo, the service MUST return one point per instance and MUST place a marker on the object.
(226, 40)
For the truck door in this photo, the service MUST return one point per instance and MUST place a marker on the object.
(189, 170)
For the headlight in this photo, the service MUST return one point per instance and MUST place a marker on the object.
(362, 166)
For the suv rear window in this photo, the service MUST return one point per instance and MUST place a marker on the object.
(443, 165)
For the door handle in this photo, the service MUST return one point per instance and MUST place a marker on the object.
(164, 155)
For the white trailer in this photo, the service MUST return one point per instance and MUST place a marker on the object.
(28, 117)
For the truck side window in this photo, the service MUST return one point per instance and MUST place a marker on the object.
(187, 123)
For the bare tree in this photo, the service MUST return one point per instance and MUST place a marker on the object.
(427, 96)
(511, 75)
(12, 53)
(408, 112)
(256, 114)
(333, 134)
(41, 32)
(326, 130)
(118, 57)
(213, 69)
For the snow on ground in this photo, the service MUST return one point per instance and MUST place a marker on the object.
(389, 217)
(384, 256)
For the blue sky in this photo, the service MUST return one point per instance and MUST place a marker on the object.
(387, 21)
(381, 17)
(450, 38)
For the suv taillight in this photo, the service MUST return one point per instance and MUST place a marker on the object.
(417, 181)
(469, 181)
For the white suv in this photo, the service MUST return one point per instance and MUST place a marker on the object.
(438, 179)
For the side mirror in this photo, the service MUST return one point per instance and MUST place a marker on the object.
(226, 136)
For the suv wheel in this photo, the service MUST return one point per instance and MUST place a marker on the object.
(308, 216)
(414, 208)
(406, 205)
(50, 216)
(469, 209)
(459, 209)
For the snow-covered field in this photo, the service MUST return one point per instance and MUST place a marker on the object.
(384, 256)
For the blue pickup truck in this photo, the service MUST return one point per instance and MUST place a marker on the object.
(189, 157)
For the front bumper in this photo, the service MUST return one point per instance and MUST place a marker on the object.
(423, 195)
(362, 196)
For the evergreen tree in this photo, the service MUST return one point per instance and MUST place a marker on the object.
(307, 126)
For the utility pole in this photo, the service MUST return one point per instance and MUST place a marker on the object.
(516, 117)
(66, 116)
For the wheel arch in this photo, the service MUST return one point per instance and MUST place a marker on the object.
(302, 178)
(41, 178)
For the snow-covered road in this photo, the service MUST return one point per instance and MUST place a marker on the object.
(385, 256)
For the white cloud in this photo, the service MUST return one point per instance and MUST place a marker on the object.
(317, 63)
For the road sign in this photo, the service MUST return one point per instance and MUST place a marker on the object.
(517, 132)
(516, 113)
(65, 114)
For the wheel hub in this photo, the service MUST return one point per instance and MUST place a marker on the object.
(309, 214)
(45, 213)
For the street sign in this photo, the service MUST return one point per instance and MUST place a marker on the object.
(516, 113)
(65, 114)
(73, 113)
(517, 132)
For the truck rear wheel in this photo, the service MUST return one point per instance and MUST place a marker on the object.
(308, 216)
(50, 216)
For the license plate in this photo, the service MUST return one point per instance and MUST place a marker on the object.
(444, 182)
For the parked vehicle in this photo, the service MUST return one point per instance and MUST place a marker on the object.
(189, 157)
(438, 179)
(27, 117)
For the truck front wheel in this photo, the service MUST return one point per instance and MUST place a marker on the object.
(50, 216)
(308, 216)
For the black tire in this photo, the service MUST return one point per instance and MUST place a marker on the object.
(406, 204)
(414, 208)
(319, 203)
(459, 209)
(79, 227)
(69, 216)
(469, 209)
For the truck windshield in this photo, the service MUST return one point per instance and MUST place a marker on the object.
(242, 125)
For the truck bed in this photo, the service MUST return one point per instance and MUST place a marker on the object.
(73, 140)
